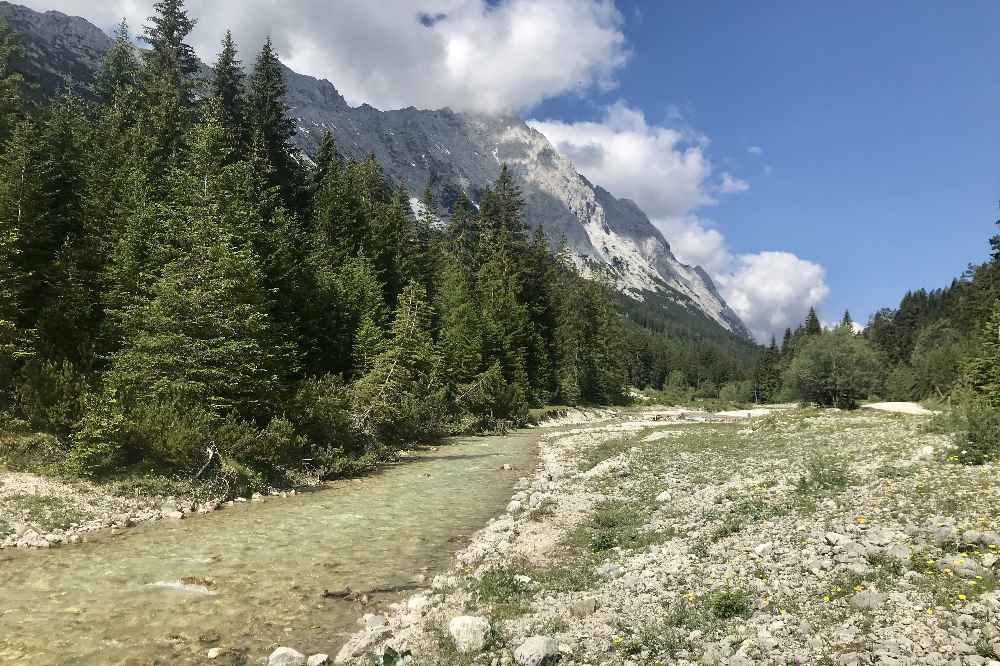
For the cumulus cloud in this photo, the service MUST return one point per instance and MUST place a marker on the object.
(668, 172)
(664, 170)
(466, 54)
(771, 291)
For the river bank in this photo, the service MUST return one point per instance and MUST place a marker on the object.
(796, 537)
(38, 511)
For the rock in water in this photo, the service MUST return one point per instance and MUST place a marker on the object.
(285, 656)
(469, 633)
(538, 651)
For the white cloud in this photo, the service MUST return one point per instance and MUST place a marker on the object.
(732, 185)
(668, 172)
(755, 150)
(771, 291)
(466, 54)
(664, 170)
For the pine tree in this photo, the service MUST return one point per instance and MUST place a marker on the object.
(228, 87)
(786, 342)
(462, 232)
(169, 85)
(202, 336)
(326, 160)
(399, 400)
(982, 368)
(10, 81)
(460, 335)
(270, 123)
(812, 325)
(847, 322)
(119, 73)
(170, 56)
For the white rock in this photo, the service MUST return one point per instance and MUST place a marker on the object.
(318, 660)
(285, 656)
(663, 497)
(361, 643)
(537, 651)
(469, 633)
(214, 653)
(514, 507)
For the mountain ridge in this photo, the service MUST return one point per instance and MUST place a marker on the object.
(453, 151)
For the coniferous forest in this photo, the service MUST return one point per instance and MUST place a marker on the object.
(182, 288)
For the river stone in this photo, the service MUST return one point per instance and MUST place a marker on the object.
(538, 651)
(583, 607)
(514, 507)
(214, 653)
(318, 660)
(286, 656)
(469, 633)
(32, 539)
(361, 643)
(867, 600)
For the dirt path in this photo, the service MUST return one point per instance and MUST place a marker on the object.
(900, 408)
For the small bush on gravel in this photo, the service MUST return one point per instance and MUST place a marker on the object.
(618, 524)
(501, 584)
(729, 603)
(824, 473)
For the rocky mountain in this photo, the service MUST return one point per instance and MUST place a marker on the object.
(453, 151)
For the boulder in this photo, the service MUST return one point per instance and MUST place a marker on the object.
(514, 507)
(469, 633)
(361, 643)
(285, 656)
(867, 600)
(214, 653)
(318, 660)
(583, 607)
(538, 651)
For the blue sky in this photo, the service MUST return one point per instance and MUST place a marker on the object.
(829, 154)
(880, 123)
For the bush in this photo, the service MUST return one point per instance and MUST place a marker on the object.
(321, 411)
(49, 396)
(901, 384)
(491, 402)
(737, 392)
(835, 369)
(937, 358)
(979, 442)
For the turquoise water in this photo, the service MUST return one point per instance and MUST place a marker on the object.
(120, 599)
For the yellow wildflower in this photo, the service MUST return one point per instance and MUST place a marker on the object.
(826, 598)
(962, 597)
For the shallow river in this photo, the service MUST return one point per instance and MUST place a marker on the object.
(115, 600)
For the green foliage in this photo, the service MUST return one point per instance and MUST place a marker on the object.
(10, 81)
(834, 369)
(982, 368)
(979, 440)
(824, 474)
(901, 384)
(730, 603)
(737, 392)
(49, 395)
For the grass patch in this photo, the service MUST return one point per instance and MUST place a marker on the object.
(46, 512)
(505, 591)
(730, 603)
(595, 455)
(619, 524)
(546, 509)
(824, 473)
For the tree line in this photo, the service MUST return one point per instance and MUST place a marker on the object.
(180, 285)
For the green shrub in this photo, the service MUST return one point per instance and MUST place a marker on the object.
(729, 603)
(49, 396)
(823, 473)
(979, 442)
(901, 384)
(321, 411)
(98, 445)
(835, 369)
(737, 392)
(491, 402)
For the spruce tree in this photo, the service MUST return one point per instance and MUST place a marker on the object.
(326, 160)
(399, 400)
(982, 368)
(847, 322)
(228, 88)
(10, 81)
(812, 325)
(119, 72)
(270, 124)
(169, 86)
(786, 342)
